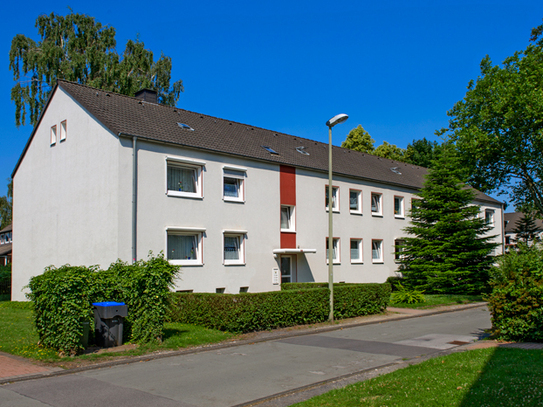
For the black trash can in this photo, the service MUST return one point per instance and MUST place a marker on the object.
(108, 323)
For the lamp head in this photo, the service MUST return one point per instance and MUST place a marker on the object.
(340, 118)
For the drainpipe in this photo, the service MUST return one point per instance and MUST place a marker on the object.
(134, 198)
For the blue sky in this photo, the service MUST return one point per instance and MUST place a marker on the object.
(395, 67)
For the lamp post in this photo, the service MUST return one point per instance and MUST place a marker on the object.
(340, 118)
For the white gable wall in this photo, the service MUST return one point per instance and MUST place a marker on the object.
(66, 201)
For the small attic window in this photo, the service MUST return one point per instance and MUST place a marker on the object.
(301, 150)
(270, 150)
(185, 126)
(396, 170)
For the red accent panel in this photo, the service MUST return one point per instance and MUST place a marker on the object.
(287, 185)
(288, 240)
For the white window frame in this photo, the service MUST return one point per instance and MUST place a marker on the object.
(358, 192)
(63, 130)
(336, 250)
(188, 164)
(335, 202)
(492, 213)
(398, 254)
(379, 212)
(241, 235)
(292, 218)
(360, 258)
(53, 136)
(379, 243)
(401, 214)
(239, 174)
(199, 256)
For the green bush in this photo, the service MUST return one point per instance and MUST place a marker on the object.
(516, 300)
(303, 286)
(5, 280)
(403, 295)
(63, 298)
(249, 312)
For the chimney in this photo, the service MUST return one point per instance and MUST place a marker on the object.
(147, 95)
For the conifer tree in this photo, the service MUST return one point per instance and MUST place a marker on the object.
(448, 249)
(526, 229)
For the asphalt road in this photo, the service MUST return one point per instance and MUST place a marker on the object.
(244, 373)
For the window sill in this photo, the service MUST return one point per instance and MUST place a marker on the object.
(179, 194)
(335, 263)
(399, 216)
(235, 200)
(355, 213)
(377, 215)
(233, 264)
(357, 262)
(378, 262)
(195, 263)
(287, 231)
(333, 210)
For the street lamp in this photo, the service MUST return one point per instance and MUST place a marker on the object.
(340, 118)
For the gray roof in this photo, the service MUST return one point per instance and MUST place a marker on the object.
(130, 116)
(8, 228)
(513, 217)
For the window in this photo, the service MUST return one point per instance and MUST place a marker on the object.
(335, 250)
(244, 289)
(53, 135)
(377, 251)
(184, 247)
(234, 245)
(398, 207)
(355, 201)
(63, 130)
(376, 204)
(184, 178)
(287, 218)
(356, 251)
(398, 249)
(233, 184)
(219, 290)
(335, 198)
(489, 217)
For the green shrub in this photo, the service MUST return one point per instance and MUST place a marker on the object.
(62, 301)
(302, 286)
(394, 281)
(249, 312)
(5, 280)
(516, 300)
(63, 298)
(406, 296)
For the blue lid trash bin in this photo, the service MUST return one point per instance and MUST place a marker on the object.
(108, 323)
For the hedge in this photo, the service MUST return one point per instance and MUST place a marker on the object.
(248, 312)
(63, 299)
(516, 300)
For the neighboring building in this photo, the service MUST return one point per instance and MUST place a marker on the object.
(510, 220)
(240, 208)
(6, 240)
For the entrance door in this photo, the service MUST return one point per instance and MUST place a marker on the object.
(288, 269)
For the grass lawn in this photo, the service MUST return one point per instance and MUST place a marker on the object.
(485, 377)
(436, 300)
(20, 338)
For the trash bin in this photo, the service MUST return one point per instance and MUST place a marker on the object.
(108, 323)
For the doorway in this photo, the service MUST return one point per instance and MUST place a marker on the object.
(288, 269)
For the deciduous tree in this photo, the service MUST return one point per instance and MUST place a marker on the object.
(359, 139)
(6, 206)
(77, 48)
(498, 126)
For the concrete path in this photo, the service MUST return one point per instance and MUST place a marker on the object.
(277, 368)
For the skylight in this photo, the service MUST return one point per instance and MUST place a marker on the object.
(270, 150)
(396, 170)
(301, 150)
(185, 126)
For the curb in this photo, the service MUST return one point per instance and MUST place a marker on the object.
(265, 337)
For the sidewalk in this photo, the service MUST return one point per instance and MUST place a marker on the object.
(13, 368)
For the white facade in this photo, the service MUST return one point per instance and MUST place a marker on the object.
(73, 205)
